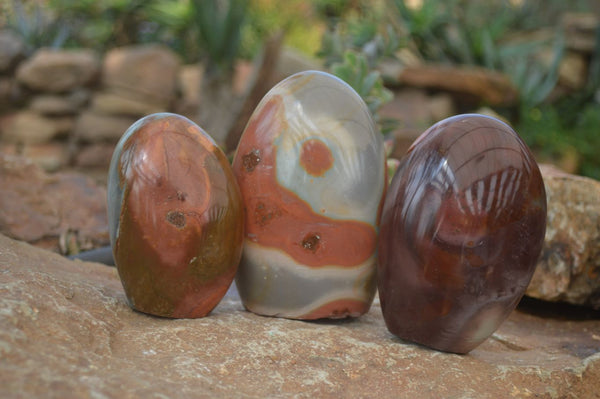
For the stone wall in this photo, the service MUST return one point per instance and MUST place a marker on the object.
(69, 107)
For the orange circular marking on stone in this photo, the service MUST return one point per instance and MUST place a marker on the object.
(315, 157)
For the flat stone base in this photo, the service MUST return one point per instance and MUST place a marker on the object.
(66, 331)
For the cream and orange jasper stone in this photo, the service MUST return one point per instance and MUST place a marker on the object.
(311, 168)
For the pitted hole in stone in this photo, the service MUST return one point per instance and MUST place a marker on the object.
(181, 196)
(265, 214)
(250, 160)
(311, 242)
(176, 218)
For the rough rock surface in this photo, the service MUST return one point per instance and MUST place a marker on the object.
(149, 71)
(67, 332)
(569, 267)
(59, 70)
(30, 127)
(51, 157)
(482, 85)
(115, 103)
(53, 104)
(41, 208)
(93, 127)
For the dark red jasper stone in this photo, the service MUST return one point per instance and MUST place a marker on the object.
(462, 227)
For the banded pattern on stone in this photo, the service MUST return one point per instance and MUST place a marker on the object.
(311, 168)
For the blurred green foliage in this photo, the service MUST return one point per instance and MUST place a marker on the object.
(494, 34)
(570, 124)
(298, 19)
(465, 31)
(183, 25)
(219, 30)
(471, 32)
(353, 37)
(357, 40)
(554, 137)
(367, 82)
(497, 35)
(35, 24)
(86, 23)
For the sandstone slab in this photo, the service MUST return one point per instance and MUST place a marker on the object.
(569, 267)
(42, 208)
(479, 84)
(59, 71)
(93, 127)
(146, 70)
(30, 127)
(55, 104)
(115, 103)
(66, 331)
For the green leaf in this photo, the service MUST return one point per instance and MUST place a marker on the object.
(368, 83)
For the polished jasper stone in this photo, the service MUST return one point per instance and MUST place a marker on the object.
(311, 168)
(175, 217)
(462, 226)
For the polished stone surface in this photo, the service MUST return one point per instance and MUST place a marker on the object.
(311, 168)
(175, 217)
(462, 227)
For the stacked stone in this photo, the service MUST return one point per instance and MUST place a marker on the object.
(425, 93)
(71, 106)
(41, 97)
(136, 81)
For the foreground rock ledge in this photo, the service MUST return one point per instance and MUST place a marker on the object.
(67, 332)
